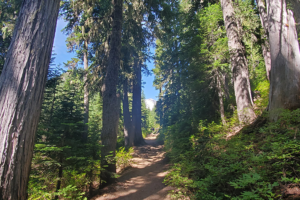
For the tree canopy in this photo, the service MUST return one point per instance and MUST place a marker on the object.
(227, 111)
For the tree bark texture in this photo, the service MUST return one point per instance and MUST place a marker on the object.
(285, 59)
(22, 84)
(86, 92)
(129, 137)
(137, 105)
(110, 99)
(239, 65)
(265, 45)
(294, 5)
(220, 95)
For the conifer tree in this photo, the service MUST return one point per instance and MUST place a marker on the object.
(126, 81)
(64, 166)
(22, 84)
(138, 33)
(86, 85)
(238, 63)
(110, 99)
(9, 13)
(265, 45)
(285, 59)
(128, 132)
(137, 104)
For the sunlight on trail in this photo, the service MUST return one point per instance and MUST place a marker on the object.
(144, 179)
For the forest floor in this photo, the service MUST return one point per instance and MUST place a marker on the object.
(144, 179)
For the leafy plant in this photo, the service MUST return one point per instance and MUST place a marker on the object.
(124, 157)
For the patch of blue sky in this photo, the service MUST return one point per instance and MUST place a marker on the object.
(62, 56)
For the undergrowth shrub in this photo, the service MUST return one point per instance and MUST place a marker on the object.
(45, 170)
(124, 158)
(251, 165)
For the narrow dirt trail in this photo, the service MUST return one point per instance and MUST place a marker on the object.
(144, 180)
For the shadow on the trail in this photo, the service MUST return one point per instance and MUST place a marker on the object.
(141, 188)
(135, 172)
(142, 183)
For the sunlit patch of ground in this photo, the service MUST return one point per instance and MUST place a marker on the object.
(144, 179)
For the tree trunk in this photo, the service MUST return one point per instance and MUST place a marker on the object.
(220, 95)
(110, 99)
(159, 106)
(86, 89)
(294, 5)
(285, 59)
(22, 84)
(265, 45)
(60, 174)
(137, 105)
(267, 56)
(239, 65)
(129, 137)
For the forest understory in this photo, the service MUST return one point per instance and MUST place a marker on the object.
(224, 122)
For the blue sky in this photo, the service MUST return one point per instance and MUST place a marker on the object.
(63, 56)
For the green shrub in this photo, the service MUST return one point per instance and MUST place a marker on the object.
(250, 165)
(124, 157)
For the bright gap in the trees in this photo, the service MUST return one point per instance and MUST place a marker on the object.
(62, 56)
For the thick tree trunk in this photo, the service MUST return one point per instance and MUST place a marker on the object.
(137, 105)
(285, 59)
(239, 65)
(265, 45)
(86, 91)
(129, 137)
(22, 84)
(110, 99)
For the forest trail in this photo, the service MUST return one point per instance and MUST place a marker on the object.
(144, 180)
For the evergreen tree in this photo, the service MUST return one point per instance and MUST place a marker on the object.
(9, 13)
(110, 99)
(239, 64)
(128, 132)
(265, 45)
(60, 156)
(22, 84)
(137, 104)
(285, 59)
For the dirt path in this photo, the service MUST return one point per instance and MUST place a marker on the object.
(144, 180)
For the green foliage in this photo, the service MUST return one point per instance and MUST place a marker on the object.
(193, 73)
(264, 189)
(149, 119)
(247, 166)
(59, 145)
(8, 16)
(123, 157)
(70, 192)
(263, 99)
